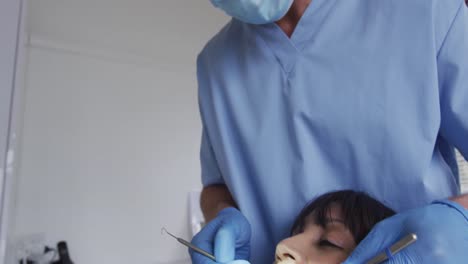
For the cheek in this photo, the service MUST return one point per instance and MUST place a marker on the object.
(326, 256)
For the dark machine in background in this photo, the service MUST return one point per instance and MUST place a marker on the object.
(64, 256)
(61, 256)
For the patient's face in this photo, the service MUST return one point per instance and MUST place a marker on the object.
(331, 244)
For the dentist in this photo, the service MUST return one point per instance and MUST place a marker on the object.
(300, 97)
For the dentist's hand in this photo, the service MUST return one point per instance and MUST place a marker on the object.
(227, 237)
(442, 230)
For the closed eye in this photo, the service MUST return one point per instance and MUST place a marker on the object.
(326, 243)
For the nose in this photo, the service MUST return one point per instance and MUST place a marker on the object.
(287, 254)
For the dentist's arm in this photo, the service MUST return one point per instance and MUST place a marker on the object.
(442, 230)
(215, 198)
(462, 199)
(227, 234)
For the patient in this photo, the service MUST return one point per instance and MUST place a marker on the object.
(329, 228)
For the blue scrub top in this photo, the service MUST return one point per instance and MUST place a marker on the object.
(367, 95)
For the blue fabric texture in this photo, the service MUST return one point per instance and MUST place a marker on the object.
(369, 95)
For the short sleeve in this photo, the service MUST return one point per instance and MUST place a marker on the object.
(210, 172)
(209, 167)
(453, 82)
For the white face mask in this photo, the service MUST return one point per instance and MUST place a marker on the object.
(255, 11)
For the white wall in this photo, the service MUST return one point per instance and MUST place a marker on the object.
(111, 126)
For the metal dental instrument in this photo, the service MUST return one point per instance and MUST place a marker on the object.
(395, 248)
(190, 245)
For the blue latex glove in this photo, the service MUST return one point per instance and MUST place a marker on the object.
(442, 230)
(227, 237)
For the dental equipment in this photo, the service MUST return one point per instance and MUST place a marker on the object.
(395, 248)
(190, 245)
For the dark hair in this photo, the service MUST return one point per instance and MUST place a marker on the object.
(360, 212)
